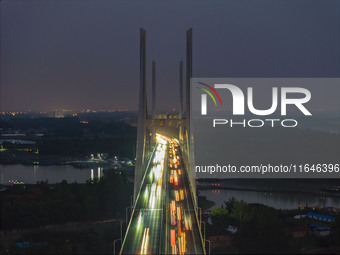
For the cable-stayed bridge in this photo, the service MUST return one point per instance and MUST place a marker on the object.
(164, 218)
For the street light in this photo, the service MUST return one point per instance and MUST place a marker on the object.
(114, 245)
(121, 229)
(126, 214)
(204, 230)
(131, 201)
(209, 246)
(200, 214)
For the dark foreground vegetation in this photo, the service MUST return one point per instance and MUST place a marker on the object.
(78, 239)
(64, 218)
(265, 230)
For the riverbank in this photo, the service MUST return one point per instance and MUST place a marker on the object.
(202, 187)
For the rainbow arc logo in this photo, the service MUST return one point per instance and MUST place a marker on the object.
(209, 93)
(204, 97)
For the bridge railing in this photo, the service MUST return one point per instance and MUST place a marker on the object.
(187, 168)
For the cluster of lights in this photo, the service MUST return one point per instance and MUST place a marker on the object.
(179, 195)
(15, 182)
(178, 244)
(152, 193)
(145, 239)
(141, 216)
(14, 113)
(102, 110)
(75, 113)
(187, 222)
(154, 188)
(156, 173)
(174, 162)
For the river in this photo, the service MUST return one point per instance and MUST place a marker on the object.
(30, 174)
(55, 173)
(296, 193)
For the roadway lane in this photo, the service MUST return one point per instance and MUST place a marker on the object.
(187, 237)
(164, 221)
(145, 229)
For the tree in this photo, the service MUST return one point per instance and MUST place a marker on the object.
(262, 232)
(230, 204)
(220, 219)
(240, 211)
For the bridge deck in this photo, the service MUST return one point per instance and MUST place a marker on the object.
(156, 226)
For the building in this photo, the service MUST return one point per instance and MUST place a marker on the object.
(320, 217)
(318, 230)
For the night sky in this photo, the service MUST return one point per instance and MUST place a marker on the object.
(85, 54)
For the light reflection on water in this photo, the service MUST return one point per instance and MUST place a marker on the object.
(30, 174)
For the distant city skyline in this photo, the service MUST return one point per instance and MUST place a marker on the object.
(85, 54)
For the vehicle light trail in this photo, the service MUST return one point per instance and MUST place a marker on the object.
(144, 247)
(165, 183)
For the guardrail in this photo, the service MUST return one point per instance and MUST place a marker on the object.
(194, 203)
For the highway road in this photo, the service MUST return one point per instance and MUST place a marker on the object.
(163, 220)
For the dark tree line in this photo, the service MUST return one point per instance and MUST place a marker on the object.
(261, 229)
(69, 137)
(44, 204)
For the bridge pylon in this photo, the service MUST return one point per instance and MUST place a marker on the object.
(148, 125)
